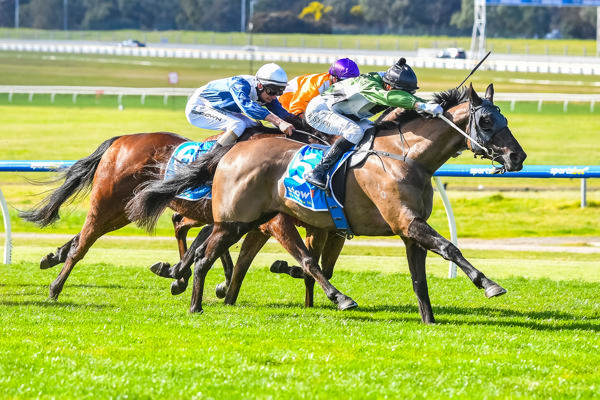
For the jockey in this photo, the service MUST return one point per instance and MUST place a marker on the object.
(346, 107)
(300, 90)
(229, 104)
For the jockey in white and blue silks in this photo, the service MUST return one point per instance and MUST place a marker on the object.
(233, 104)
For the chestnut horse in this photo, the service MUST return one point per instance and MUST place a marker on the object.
(390, 193)
(113, 171)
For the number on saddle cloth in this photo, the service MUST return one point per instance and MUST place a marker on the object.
(185, 154)
(307, 195)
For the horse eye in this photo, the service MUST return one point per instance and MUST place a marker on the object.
(486, 121)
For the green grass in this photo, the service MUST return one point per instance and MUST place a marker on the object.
(117, 332)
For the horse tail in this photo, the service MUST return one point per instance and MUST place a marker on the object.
(78, 180)
(152, 197)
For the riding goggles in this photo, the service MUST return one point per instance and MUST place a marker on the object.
(274, 90)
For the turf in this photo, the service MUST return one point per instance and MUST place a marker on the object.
(116, 332)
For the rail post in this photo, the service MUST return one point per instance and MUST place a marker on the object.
(7, 230)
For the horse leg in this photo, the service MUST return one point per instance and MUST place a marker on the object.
(427, 237)
(253, 242)
(182, 268)
(81, 243)
(331, 251)
(222, 236)
(416, 256)
(182, 225)
(315, 241)
(292, 242)
(53, 259)
(228, 268)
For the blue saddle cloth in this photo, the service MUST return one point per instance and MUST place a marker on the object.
(302, 192)
(185, 154)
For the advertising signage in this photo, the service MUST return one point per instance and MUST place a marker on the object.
(547, 3)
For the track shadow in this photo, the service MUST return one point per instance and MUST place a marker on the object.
(55, 304)
(491, 316)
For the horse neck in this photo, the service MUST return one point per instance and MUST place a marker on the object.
(430, 142)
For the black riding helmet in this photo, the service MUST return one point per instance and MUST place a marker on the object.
(401, 76)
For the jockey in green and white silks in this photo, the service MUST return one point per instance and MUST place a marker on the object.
(345, 108)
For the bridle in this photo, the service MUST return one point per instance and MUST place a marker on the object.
(477, 138)
(482, 136)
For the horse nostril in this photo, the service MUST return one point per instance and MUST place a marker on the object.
(515, 158)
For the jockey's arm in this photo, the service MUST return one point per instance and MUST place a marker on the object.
(283, 126)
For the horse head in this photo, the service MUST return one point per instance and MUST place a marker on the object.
(490, 136)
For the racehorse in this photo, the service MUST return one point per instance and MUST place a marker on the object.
(113, 171)
(390, 193)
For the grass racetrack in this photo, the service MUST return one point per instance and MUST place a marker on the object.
(117, 332)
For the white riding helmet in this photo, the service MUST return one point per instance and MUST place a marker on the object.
(272, 76)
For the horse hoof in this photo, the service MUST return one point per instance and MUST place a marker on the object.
(198, 310)
(45, 262)
(279, 267)
(221, 290)
(178, 288)
(347, 304)
(296, 272)
(494, 291)
(161, 269)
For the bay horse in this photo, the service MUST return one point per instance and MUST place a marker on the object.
(111, 174)
(390, 193)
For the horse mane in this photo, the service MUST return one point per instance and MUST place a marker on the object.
(447, 99)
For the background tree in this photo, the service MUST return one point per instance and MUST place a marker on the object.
(101, 14)
(315, 10)
(577, 22)
(209, 15)
(385, 16)
(7, 13)
(430, 17)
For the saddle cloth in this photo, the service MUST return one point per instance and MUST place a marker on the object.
(302, 192)
(185, 154)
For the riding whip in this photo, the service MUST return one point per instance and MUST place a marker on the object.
(475, 69)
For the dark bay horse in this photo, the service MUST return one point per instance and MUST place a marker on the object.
(112, 173)
(388, 194)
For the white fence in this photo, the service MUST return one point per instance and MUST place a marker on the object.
(166, 92)
(549, 65)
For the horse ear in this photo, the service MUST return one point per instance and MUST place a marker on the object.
(474, 97)
(489, 93)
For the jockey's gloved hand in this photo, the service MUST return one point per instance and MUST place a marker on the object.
(431, 108)
(286, 128)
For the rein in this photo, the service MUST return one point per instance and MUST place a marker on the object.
(453, 125)
(474, 141)
(312, 136)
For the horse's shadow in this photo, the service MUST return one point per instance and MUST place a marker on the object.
(445, 315)
(47, 303)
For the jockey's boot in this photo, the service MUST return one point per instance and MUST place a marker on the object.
(214, 148)
(227, 138)
(318, 176)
